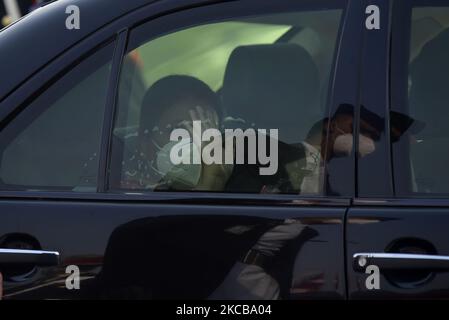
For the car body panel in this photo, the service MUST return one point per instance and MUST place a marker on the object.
(195, 244)
(34, 35)
(398, 229)
(165, 245)
(379, 220)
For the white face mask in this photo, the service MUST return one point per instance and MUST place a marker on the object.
(178, 176)
(344, 143)
(366, 145)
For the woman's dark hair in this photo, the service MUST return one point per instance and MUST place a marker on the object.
(171, 90)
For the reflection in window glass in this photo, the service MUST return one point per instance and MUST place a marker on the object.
(54, 143)
(420, 132)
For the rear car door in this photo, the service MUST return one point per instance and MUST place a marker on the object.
(85, 173)
(398, 226)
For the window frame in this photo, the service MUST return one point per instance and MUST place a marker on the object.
(222, 12)
(348, 39)
(373, 172)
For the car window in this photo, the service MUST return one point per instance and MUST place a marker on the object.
(419, 130)
(53, 144)
(231, 106)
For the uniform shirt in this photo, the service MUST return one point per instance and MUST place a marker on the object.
(313, 181)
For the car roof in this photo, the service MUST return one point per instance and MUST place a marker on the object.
(39, 37)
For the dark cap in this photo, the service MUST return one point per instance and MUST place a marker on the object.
(404, 123)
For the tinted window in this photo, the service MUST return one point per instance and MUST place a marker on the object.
(419, 121)
(232, 106)
(54, 143)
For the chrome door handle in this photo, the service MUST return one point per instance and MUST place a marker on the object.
(401, 261)
(32, 257)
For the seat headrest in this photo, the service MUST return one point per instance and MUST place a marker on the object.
(429, 94)
(273, 87)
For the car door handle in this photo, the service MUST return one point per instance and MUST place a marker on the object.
(400, 261)
(32, 257)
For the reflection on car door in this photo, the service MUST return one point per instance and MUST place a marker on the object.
(398, 226)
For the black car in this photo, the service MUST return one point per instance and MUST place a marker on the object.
(253, 149)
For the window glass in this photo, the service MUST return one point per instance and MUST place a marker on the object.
(231, 106)
(53, 144)
(419, 125)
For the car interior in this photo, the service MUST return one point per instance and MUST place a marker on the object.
(428, 96)
(247, 81)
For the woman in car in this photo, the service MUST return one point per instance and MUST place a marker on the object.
(171, 103)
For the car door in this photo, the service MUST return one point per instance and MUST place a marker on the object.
(92, 208)
(397, 240)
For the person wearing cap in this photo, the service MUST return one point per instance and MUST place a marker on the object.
(371, 128)
(331, 139)
(401, 124)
